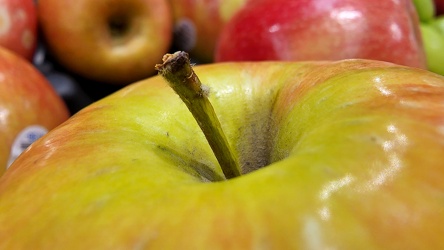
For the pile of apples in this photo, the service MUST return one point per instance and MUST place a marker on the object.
(119, 42)
(114, 44)
(278, 124)
(29, 105)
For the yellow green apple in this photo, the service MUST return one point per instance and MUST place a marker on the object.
(432, 32)
(433, 40)
(108, 41)
(426, 9)
(333, 155)
(29, 106)
(438, 23)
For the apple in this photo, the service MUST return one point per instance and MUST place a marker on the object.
(432, 32)
(18, 27)
(198, 23)
(29, 106)
(434, 48)
(108, 41)
(344, 155)
(426, 9)
(324, 30)
(439, 6)
(438, 23)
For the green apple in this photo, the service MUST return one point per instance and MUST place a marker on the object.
(433, 41)
(426, 9)
(344, 155)
(438, 23)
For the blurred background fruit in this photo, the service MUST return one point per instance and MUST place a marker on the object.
(29, 106)
(323, 30)
(109, 41)
(198, 23)
(434, 47)
(432, 32)
(426, 9)
(439, 4)
(18, 27)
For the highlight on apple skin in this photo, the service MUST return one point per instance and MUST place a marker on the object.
(344, 154)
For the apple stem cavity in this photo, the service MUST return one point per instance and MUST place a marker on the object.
(176, 69)
(118, 26)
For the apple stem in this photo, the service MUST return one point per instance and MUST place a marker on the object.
(178, 72)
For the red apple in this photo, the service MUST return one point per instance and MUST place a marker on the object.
(29, 106)
(324, 30)
(198, 24)
(109, 41)
(18, 26)
(334, 155)
(439, 5)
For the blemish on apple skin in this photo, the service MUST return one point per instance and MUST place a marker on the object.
(27, 39)
(20, 14)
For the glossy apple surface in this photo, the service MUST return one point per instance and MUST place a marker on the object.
(324, 30)
(18, 26)
(352, 153)
(108, 41)
(198, 24)
(27, 103)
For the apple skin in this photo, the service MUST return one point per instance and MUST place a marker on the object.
(198, 24)
(324, 30)
(109, 41)
(432, 33)
(438, 23)
(434, 47)
(439, 6)
(18, 27)
(354, 151)
(426, 9)
(26, 99)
